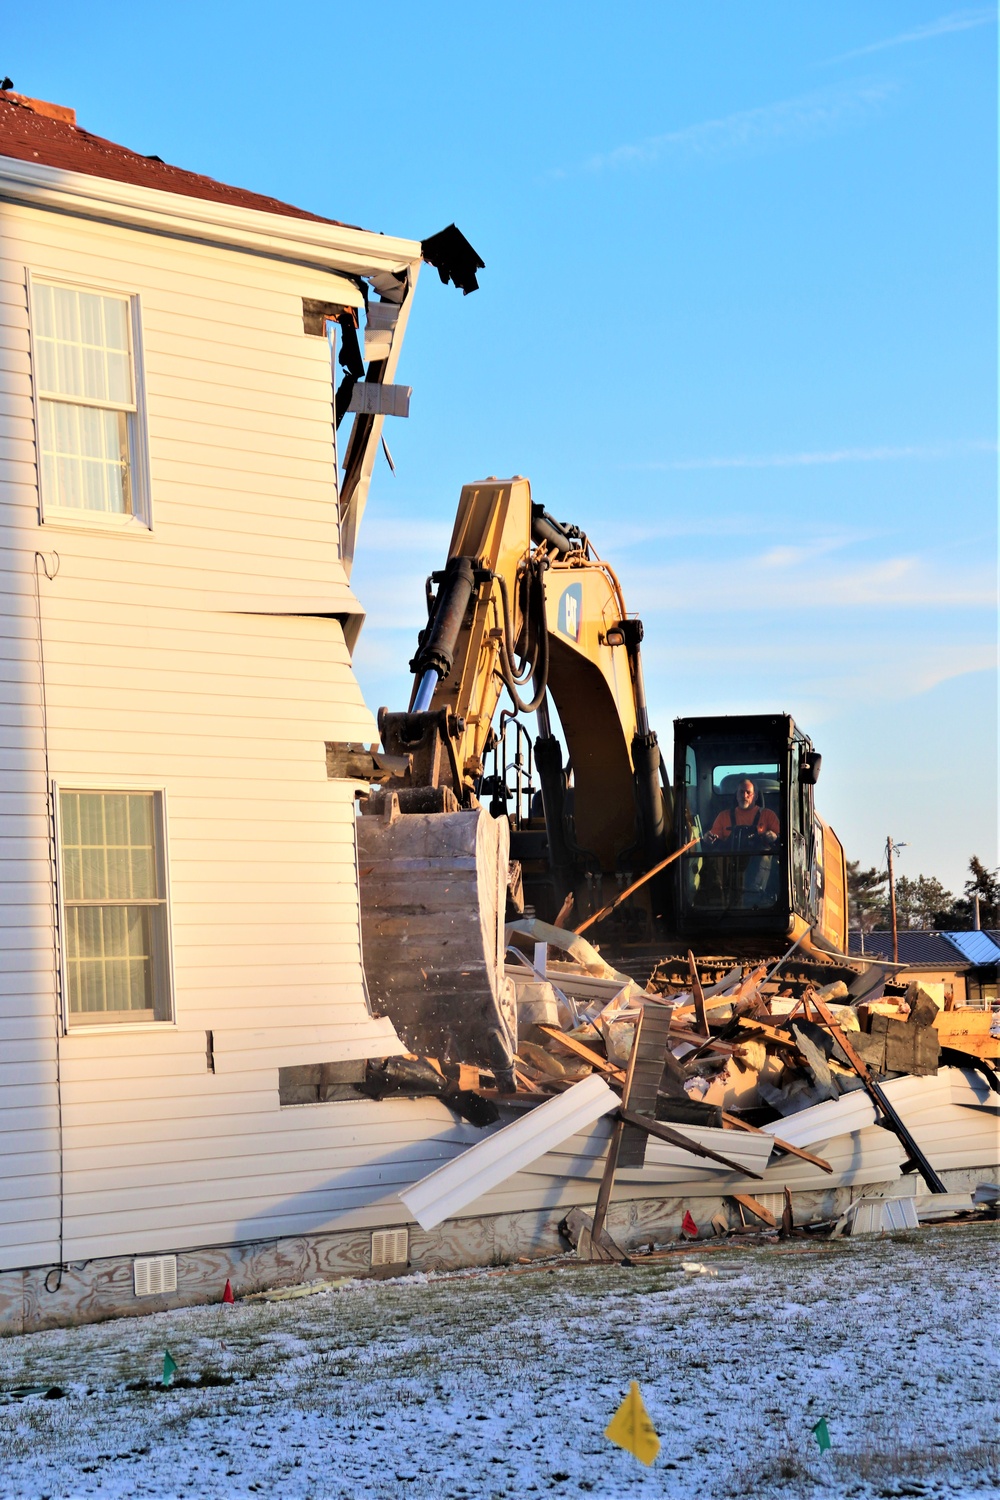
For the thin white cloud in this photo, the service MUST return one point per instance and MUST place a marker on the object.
(404, 535)
(781, 580)
(817, 113)
(956, 20)
(629, 534)
(828, 456)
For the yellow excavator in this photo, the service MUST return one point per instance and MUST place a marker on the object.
(525, 608)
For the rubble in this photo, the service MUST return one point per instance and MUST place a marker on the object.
(700, 1070)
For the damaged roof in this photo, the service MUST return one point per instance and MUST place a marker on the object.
(36, 131)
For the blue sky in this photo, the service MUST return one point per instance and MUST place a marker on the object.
(738, 320)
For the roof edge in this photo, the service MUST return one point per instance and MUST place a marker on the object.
(313, 241)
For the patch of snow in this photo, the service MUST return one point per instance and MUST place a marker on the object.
(500, 1383)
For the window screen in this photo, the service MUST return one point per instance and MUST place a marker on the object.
(84, 377)
(114, 906)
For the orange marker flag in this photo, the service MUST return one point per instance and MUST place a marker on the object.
(631, 1428)
(227, 1295)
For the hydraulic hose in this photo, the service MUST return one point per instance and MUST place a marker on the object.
(537, 665)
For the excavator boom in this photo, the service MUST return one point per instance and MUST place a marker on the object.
(525, 608)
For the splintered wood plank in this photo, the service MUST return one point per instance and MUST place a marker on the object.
(698, 995)
(967, 1031)
(676, 1138)
(771, 1032)
(757, 1209)
(582, 1050)
(735, 1123)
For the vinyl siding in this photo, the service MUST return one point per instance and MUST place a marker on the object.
(206, 658)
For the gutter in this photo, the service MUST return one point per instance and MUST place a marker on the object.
(332, 246)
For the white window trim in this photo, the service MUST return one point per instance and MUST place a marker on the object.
(140, 522)
(106, 1028)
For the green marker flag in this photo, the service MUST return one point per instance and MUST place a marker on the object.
(170, 1365)
(822, 1435)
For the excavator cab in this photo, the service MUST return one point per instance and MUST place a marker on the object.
(743, 786)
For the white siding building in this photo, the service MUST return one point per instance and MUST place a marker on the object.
(179, 899)
(179, 917)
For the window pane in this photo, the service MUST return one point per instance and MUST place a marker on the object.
(85, 458)
(108, 846)
(81, 345)
(109, 958)
(116, 959)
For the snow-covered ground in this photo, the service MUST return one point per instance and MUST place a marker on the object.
(501, 1383)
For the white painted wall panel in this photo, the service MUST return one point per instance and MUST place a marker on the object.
(191, 658)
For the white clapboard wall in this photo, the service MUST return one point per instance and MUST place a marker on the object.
(204, 658)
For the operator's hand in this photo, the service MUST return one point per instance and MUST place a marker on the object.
(770, 835)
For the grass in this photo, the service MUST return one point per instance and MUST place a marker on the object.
(502, 1384)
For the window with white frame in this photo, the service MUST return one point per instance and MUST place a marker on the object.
(88, 415)
(114, 907)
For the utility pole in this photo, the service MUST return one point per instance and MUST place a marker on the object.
(890, 850)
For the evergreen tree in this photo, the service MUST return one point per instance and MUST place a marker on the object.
(959, 916)
(866, 895)
(919, 901)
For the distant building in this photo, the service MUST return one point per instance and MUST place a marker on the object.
(966, 964)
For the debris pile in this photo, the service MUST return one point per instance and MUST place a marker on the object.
(746, 1045)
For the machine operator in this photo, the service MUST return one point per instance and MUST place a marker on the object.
(747, 828)
(747, 825)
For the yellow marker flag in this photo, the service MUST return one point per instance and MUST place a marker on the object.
(631, 1428)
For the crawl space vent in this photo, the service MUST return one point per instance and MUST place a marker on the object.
(156, 1275)
(390, 1247)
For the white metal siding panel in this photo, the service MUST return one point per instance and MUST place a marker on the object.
(205, 658)
(29, 1183)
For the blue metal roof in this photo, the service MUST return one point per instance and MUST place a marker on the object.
(928, 947)
(923, 947)
(977, 947)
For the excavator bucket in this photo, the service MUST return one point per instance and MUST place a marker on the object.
(433, 898)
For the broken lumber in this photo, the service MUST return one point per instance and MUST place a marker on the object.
(877, 1094)
(606, 911)
(578, 1228)
(771, 1032)
(736, 1123)
(967, 1030)
(582, 1050)
(698, 996)
(676, 1138)
(615, 1143)
(757, 1209)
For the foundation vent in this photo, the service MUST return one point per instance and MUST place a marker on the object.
(155, 1275)
(390, 1247)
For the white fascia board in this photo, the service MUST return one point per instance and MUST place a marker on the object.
(444, 1193)
(332, 246)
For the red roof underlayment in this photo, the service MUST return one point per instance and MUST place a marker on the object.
(33, 130)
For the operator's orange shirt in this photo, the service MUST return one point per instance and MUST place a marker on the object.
(722, 827)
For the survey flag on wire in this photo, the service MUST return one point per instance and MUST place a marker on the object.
(631, 1428)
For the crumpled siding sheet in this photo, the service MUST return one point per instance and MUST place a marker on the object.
(951, 1136)
(444, 1193)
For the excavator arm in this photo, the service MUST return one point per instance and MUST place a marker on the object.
(525, 608)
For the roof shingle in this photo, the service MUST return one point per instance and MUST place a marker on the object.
(33, 130)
